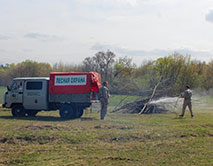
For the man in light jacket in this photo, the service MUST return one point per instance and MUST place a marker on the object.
(104, 99)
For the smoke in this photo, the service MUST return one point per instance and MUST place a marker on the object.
(165, 100)
(172, 104)
(201, 92)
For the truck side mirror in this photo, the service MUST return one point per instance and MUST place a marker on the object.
(8, 88)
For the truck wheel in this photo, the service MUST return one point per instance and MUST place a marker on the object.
(67, 112)
(18, 111)
(79, 113)
(31, 113)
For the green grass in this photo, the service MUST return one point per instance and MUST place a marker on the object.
(2, 91)
(121, 139)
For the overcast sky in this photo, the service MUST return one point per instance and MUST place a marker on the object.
(69, 30)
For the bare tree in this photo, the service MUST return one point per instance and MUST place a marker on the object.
(101, 62)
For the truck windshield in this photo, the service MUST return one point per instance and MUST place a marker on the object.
(14, 86)
(17, 85)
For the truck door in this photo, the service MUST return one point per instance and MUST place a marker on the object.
(15, 94)
(35, 95)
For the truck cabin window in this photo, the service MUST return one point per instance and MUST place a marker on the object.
(34, 86)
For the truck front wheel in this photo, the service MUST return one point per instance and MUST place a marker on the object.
(18, 111)
(67, 112)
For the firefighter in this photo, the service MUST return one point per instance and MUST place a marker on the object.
(187, 94)
(104, 99)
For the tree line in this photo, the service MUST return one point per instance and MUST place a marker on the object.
(173, 72)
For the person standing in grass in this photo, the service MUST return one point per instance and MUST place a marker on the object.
(104, 99)
(187, 95)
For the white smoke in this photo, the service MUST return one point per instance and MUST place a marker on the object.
(171, 104)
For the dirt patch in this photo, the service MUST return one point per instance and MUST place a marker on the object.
(210, 135)
(114, 127)
(27, 139)
(196, 135)
(3, 140)
(128, 137)
(43, 127)
(207, 125)
(120, 159)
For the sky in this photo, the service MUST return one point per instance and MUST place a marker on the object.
(67, 31)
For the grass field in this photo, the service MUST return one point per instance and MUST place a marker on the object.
(121, 139)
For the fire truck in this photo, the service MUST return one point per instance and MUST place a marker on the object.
(68, 92)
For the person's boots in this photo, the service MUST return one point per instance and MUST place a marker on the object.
(181, 116)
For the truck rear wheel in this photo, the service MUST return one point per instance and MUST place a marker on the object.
(18, 111)
(67, 112)
(79, 113)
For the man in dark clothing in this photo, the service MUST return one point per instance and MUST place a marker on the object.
(187, 94)
(104, 99)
